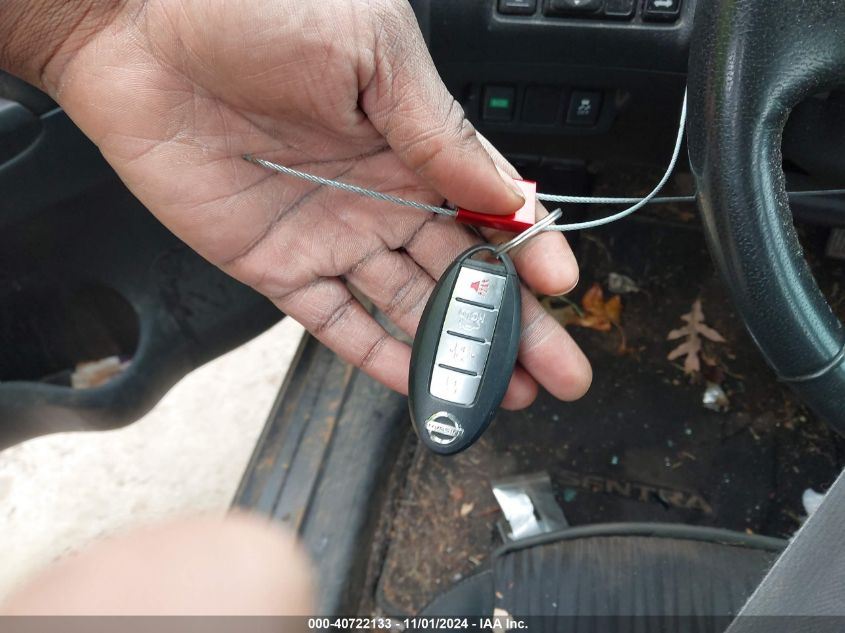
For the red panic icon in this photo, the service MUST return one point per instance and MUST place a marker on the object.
(481, 286)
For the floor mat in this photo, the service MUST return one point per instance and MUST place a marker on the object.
(640, 446)
(630, 575)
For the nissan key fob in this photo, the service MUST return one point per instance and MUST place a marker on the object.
(465, 351)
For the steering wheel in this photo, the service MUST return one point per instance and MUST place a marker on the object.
(751, 62)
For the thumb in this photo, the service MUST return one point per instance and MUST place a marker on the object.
(406, 101)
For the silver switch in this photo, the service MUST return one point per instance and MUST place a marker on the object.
(454, 386)
(461, 353)
(470, 320)
(467, 332)
(479, 286)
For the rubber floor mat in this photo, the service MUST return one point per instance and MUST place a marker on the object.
(638, 576)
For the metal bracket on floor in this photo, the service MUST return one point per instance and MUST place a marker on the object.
(529, 505)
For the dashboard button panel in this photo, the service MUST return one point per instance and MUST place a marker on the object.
(619, 8)
(517, 7)
(498, 103)
(574, 7)
(584, 107)
(662, 10)
(652, 10)
(541, 105)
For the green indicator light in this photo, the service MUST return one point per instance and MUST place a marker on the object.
(501, 103)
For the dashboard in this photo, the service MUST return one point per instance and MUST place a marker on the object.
(565, 79)
(569, 87)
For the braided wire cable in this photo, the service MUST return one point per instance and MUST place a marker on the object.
(343, 186)
(577, 226)
(637, 203)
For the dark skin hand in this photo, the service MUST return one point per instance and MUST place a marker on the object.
(174, 92)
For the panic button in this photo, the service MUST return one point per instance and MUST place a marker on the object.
(478, 287)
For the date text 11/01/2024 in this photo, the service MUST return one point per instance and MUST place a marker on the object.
(497, 622)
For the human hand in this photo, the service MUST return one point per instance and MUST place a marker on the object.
(174, 92)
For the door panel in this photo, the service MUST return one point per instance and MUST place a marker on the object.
(86, 273)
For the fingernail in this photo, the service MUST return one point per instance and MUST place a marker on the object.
(511, 183)
(566, 292)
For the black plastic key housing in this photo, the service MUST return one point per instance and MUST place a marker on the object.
(464, 351)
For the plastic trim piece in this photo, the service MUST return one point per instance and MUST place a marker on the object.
(326, 453)
(69, 222)
(656, 530)
(520, 221)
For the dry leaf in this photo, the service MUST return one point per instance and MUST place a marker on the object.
(694, 330)
(466, 508)
(599, 314)
(595, 313)
(456, 493)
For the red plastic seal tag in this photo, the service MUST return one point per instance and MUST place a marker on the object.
(516, 223)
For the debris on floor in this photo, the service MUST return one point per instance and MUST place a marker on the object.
(811, 500)
(715, 398)
(502, 621)
(621, 284)
(429, 540)
(529, 505)
(640, 446)
(97, 373)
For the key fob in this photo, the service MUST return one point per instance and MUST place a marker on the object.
(464, 351)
